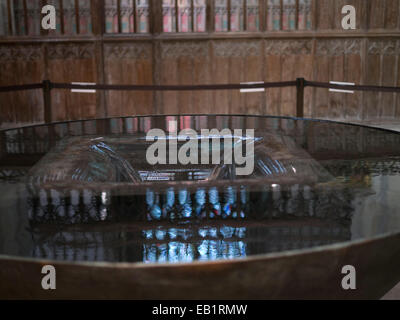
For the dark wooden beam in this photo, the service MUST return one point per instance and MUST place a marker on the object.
(300, 97)
(229, 15)
(244, 15)
(26, 17)
(210, 16)
(47, 101)
(10, 28)
(156, 17)
(62, 20)
(77, 19)
(97, 16)
(176, 16)
(192, 16)
(135, 15)
(262, 7)
(119, 16)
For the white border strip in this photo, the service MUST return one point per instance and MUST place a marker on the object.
(342, 83)
(252, 90)
(83, 90)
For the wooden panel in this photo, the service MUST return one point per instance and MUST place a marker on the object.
(21, 65)
(87, 102)
(202, 73)
(169, 75)
(380, 64)
(58, 97)
(273, 73)
(6, 98)
(392, 14)
(377, 14)
(253, 101)
(21, 110)
(386, 100)
(336, 99)
(128, 63)
(113, 69)
(34, 72)
(303, 69)
(373, 73)
(288, 95)
(326, 14)
(287, 60)
(353, 107)
(187, 62)
(372, 98)
(340, 60)
(321, 108)
(229, 60)
(237, 74)
(184, 62)
(244, 63)
(72, 63)
(143, 101)
(185, 77)
(324, 52)
(337, 6)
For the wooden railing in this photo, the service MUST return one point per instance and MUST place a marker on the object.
(299, 83)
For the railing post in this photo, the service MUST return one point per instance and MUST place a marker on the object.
(3, 147)
(300, 83)
(47, 101)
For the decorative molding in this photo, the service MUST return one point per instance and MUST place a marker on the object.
(184, 49)
(237, 48)
(142, 50)
(288, 47)
(385, 47)
(338, 47)
(71, 51)
(21, 53)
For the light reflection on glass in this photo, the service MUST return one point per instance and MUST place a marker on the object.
(179, 205)
(220, 243)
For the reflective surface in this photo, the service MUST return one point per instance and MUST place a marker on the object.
(84, 191)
